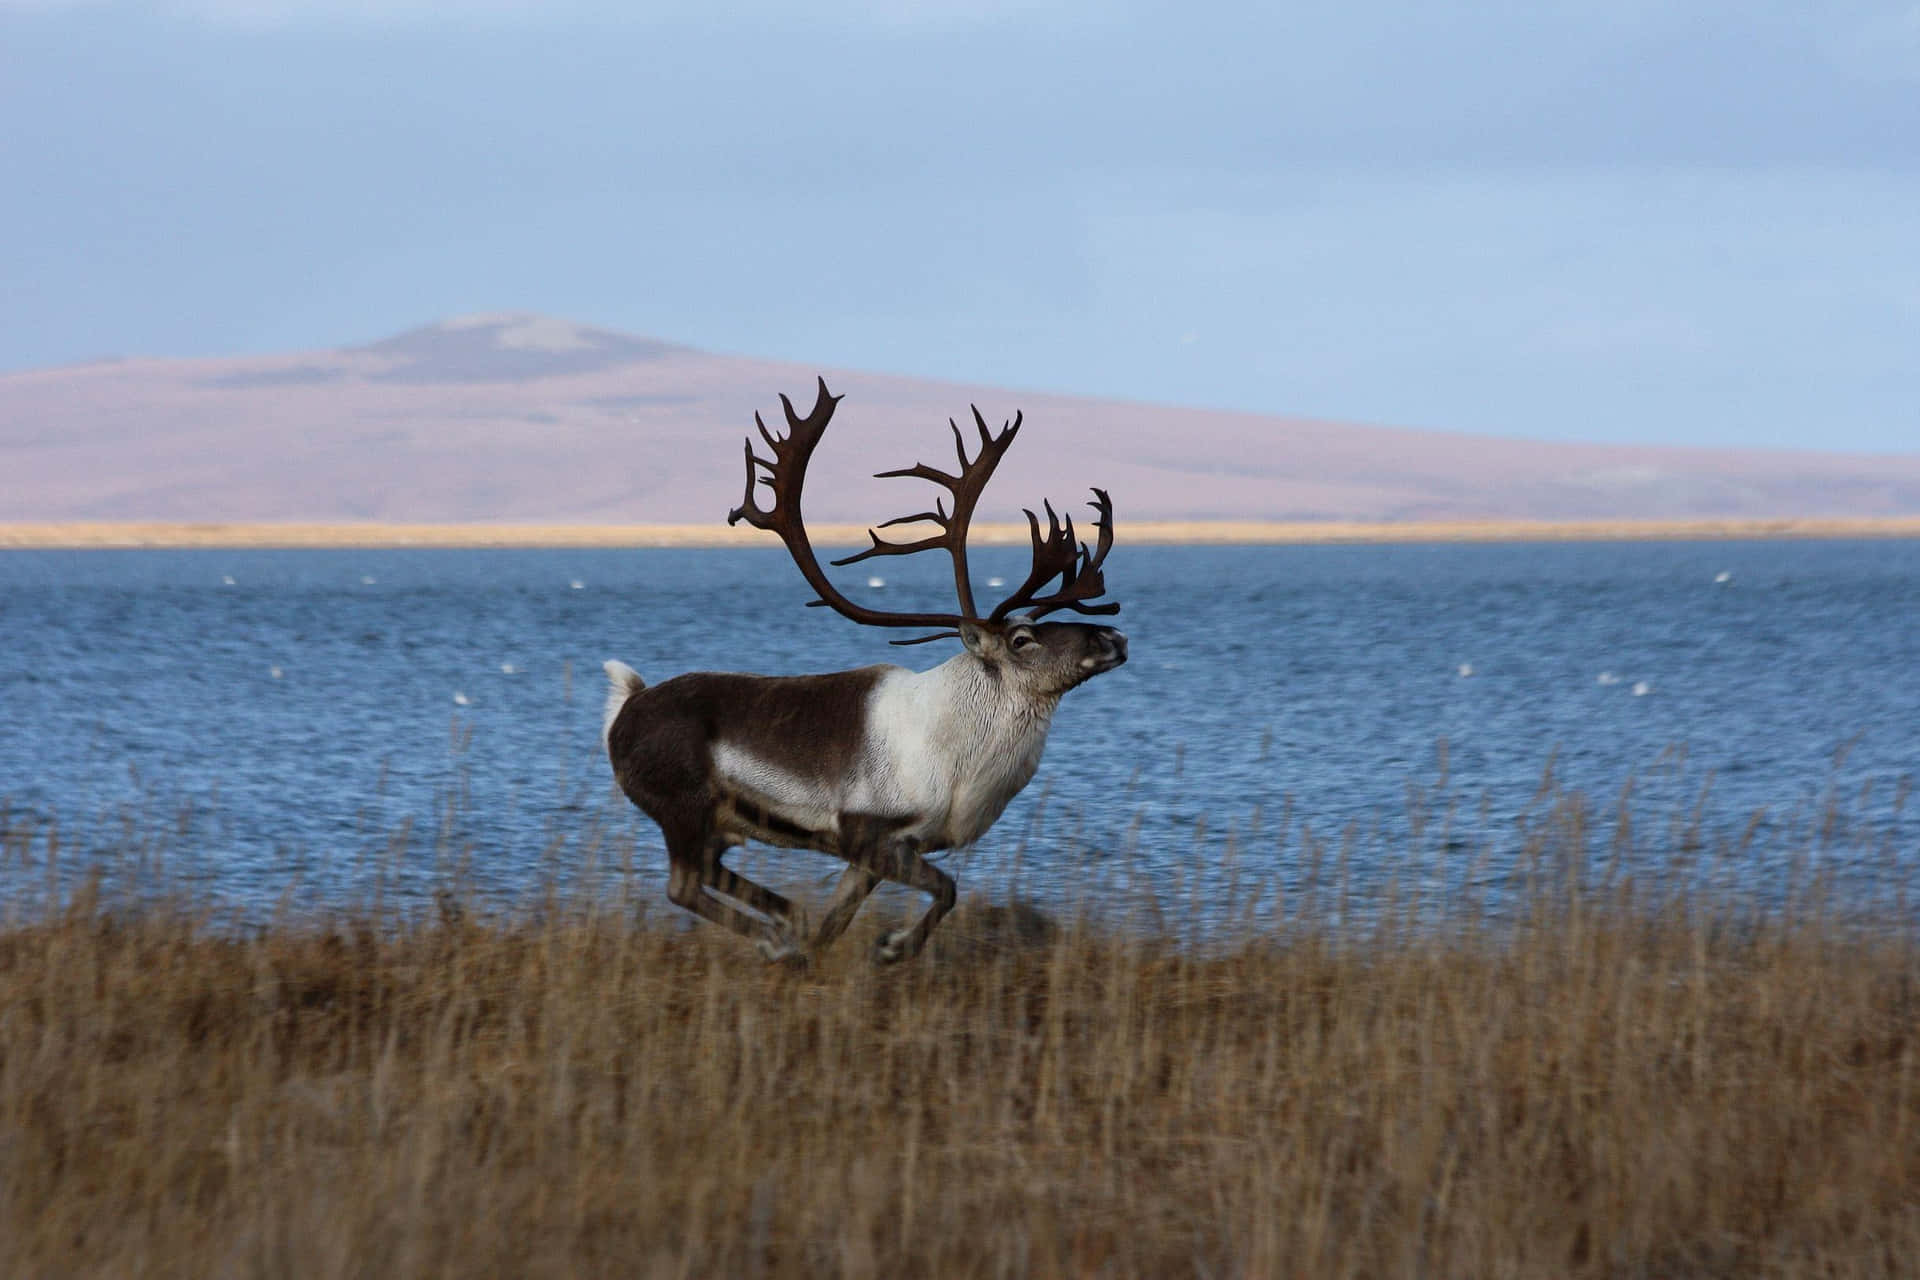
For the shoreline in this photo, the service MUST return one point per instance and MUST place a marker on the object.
(165, 535)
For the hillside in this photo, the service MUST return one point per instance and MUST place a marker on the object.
(520, 418)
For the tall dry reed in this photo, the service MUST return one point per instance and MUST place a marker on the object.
(1601, 1082)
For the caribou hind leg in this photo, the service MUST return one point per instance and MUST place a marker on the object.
(693, 883)
(789, 918)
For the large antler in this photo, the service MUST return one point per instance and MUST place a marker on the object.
(1059, 555)
(1056, 555)
(786, 475)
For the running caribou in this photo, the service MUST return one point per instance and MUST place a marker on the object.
(878, 766)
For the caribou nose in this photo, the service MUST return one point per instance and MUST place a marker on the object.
(1116, 642)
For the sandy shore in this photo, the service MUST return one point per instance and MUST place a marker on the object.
(27, 536)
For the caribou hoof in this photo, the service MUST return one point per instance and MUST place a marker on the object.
(783, 952)
(891, 947)
(785, 941)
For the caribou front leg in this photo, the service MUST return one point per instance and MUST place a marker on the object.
(914, 871)
(887, 853)
(856, 882)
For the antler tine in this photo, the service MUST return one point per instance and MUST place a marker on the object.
(1012, 428)
(1103, 524)
(936, 516)
(1058, 555)
(881, 547)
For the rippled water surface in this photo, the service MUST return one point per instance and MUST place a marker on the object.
(280, 726)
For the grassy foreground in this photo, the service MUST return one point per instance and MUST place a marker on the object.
(1596, 1088)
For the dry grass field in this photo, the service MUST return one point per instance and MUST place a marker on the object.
(1600, 1079)
(47, 536)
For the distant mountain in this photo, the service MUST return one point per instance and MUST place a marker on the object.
(526, 418)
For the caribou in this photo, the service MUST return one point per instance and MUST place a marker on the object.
(878, 766)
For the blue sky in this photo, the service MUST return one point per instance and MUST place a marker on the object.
(1686, 222)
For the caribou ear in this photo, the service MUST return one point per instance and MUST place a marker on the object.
(980, 642)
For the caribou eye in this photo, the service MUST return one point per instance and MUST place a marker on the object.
(1022, 640)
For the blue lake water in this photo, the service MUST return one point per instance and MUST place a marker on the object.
(291, 727)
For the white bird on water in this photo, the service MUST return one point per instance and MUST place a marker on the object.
(1641, 688)
(877, 583)
(461, 699)
(275, 672)
(1725, 575)
(226, 579)
(507, 668)
(996, 582)
(1607, 677)
(1466, 669)
(576, 584)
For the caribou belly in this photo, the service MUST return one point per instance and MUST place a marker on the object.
(762, 801)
